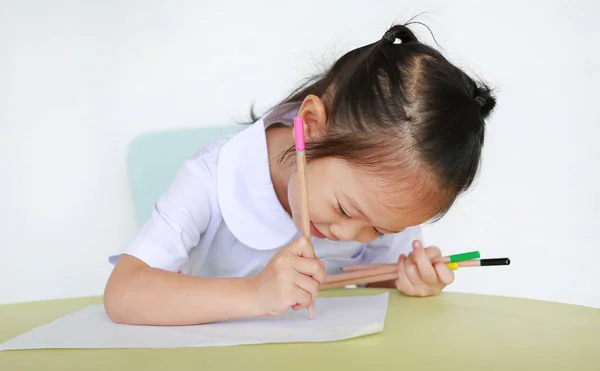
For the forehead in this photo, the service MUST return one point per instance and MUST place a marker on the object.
(392, 201)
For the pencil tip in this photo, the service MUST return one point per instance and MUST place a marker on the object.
(311, 312)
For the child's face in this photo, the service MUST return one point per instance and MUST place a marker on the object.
(369, 206)
(334, 182)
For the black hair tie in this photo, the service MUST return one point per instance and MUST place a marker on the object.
(480, 100)
(389, 36)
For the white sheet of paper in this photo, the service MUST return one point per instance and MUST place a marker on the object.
(335, 319)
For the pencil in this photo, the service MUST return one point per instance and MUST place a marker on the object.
(360, 281)
(485, 262)
(446, 259)
(361, 273)
(303, 188)
(387, 272)
(301, 165)
(376, 269)
(461, 257)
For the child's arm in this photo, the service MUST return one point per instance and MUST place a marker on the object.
(144, 288)
(140, 295)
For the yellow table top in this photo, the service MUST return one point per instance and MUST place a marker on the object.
(450, 331)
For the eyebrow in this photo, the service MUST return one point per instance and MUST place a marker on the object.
(358, 210)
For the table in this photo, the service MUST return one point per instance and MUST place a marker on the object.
(451, 331)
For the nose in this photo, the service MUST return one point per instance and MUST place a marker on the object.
(347, 230)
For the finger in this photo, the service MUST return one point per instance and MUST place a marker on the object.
(302, 298)
(433, 252)
(302, 247)
(310, 267)
(426, 270)
(412, 271)
(308, 284)
(403, 283)
(445, 274)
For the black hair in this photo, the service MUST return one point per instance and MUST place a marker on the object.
(398, 99)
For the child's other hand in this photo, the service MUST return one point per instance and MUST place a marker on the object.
(291, 279)
(420, 275)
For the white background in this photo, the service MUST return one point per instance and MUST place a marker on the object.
(79, 80)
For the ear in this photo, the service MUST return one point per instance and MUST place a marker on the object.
(312, 111)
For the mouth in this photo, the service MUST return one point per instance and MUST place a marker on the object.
(315, 232)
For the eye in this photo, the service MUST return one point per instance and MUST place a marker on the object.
(341, 211)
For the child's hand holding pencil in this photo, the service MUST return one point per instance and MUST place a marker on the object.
(290, 280)
(424, 272)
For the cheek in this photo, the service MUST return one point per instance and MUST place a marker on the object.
(366, 234)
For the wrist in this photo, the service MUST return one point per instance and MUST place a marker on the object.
(251, 286)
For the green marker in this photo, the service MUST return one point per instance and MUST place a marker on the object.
(462, 257)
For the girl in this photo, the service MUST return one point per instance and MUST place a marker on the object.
(394, 134)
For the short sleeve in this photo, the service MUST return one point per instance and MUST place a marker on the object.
(388, 248)
(178, 219)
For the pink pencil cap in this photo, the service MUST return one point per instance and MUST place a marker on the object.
(299, 133)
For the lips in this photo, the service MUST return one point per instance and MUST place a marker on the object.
(315, 232)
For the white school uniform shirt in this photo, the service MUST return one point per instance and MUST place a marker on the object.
(220, 216)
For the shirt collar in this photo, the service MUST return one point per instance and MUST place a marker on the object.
(247, 199)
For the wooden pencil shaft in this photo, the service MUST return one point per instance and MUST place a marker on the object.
(462, 264)
(372, 273)
(368, 267)
(303, 188)
(304, 213)
(360, 281)
(363, 267)
(360, 274)
(469, 263)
